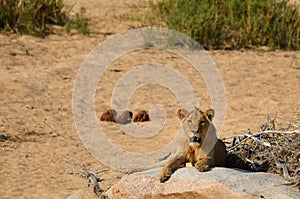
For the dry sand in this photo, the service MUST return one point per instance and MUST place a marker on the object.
(36, 100)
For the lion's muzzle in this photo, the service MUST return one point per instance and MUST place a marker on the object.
(195, 139)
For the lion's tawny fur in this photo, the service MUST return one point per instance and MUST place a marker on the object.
(196, 124)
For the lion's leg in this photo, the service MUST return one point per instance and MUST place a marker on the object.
(203, 164)
(171, 167)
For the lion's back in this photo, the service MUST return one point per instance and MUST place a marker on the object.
(220, 154)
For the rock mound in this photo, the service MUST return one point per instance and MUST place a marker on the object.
(216, 183)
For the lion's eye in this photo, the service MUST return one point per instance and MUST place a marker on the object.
(189, 122)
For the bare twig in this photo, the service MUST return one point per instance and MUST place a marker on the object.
(48, 125)
(93, 181)
(278, 132)
(239, 143)
(293, 125)
(262, 133)
(252, 163)
(284, 169)
(90, 175)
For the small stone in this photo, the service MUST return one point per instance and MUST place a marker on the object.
(141, 116)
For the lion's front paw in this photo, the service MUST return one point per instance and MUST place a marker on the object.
(201, 166)
(165, 174)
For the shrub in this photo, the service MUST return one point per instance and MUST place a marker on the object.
(34, 17)
(81, 22)
(233, 24)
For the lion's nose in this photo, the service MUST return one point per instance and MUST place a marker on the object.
(194, 131)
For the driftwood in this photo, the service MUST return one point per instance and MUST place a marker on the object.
(91, 176)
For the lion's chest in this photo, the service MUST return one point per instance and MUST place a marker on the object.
(193, 154)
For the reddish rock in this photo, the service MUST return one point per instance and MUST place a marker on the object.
(108, 116)
(141, 116)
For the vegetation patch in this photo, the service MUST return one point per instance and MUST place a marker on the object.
(36, 17)
(232, 24)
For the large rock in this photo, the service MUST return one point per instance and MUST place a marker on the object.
(190, 183)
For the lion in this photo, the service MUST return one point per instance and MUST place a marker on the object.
(196, 125)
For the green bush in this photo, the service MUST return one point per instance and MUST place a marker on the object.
(233, 24)
(81, 22)
(35, 17)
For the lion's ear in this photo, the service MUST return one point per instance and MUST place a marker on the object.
(210, 113)
(182, 113)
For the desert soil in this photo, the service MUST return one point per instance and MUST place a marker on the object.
(39, 142)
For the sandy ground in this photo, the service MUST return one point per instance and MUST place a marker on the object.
(39, 142)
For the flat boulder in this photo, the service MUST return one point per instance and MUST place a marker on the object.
(215, 183)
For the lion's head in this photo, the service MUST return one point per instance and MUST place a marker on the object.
(196, 124)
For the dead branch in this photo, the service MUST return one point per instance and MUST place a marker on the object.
(269, 151)
(91, 176)
(284, 169)
(293, 125)
(245, 137)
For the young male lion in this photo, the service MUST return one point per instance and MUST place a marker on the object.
(196, 125)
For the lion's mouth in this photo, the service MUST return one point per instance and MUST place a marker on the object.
(195, 139)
